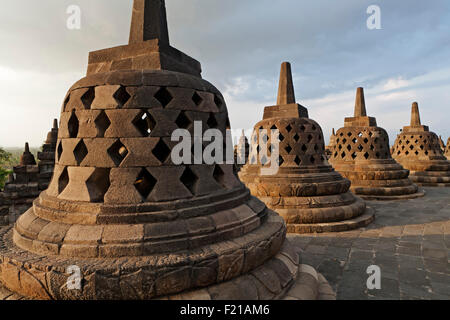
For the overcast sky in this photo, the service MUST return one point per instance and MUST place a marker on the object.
(241, 44)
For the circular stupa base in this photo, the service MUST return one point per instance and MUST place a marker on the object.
(431, 178)
(359, 222)
(28, 276)
(382, 194)
(419, 194)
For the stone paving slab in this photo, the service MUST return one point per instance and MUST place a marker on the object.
(409, 241)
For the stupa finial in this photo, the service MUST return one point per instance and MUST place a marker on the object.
(149, 21)
(27, 147)
(55, 123)
(415, 115)
(286, 93)
(360, 103)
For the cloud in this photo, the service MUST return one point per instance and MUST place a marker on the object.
(241, 45)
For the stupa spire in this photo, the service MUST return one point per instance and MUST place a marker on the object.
(55, 123)
(415, 115)
(149, 21)
(286, 93)
(360, 103)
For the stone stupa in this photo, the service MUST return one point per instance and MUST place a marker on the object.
(136, 225)
(418, 150)
(306, 191)
(362, 155)
(447, 149)
(331, 144)
(241, 151)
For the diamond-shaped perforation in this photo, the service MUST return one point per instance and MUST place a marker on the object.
(212, 121)
(145, 183)
(102, 124)
(80, 152)
(289, 128)
(163, 96)
(145, 123)
(118, 152)
(219, 175)
(73, 125)
(288, 149)
(297, 160)
(122, 96)
(161, 151)
(189, 179)
(218, 101)
(60, 150)
(280, 161)
(63, 180)
(197, 99)
(183, 121)
(296, 137)
(87, 98)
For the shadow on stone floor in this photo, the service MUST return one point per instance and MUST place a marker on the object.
(409, 241)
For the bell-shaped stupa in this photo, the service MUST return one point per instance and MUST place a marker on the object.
(303, 188)
(122, 215)
(362, 155)
(418, 150)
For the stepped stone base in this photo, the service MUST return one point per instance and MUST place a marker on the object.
(359, 222)
(281, 277)
(431, 178)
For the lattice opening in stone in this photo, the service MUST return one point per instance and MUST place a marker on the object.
(296, 137)
(118, 152)
(219, 175)
(145, 183)
(163, 96)
(310, 137)
(312, 159)
(122, 96)
(102, 124)
(197, 99)
(60, 150)
(314, 128)
(80, 152)
(302, 128)
(87, 98)
(183, 121)
(360, 148)
(63, 180)
(304, 148)
(66, 102)
(161, 151)
(189, 179)
(280, 161)
(98, 184)
(264, 160)
(281, 137)
(145, 123)
(288, 149)
(297, 160)
(73, 125)
(218, 102)
(212, 121)
(289, 128)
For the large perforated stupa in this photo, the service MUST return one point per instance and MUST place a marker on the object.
(305, 190)
(361, 153)
(135, 224)
(418, 150)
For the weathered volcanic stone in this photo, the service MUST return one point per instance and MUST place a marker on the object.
(417, 149)
(361, 154)
(305, 190)
(137, 225)
(447, 149)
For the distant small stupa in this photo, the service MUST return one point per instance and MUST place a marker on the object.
(362, 154)
(418, 150)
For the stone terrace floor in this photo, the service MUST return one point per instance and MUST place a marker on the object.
(409, 241)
